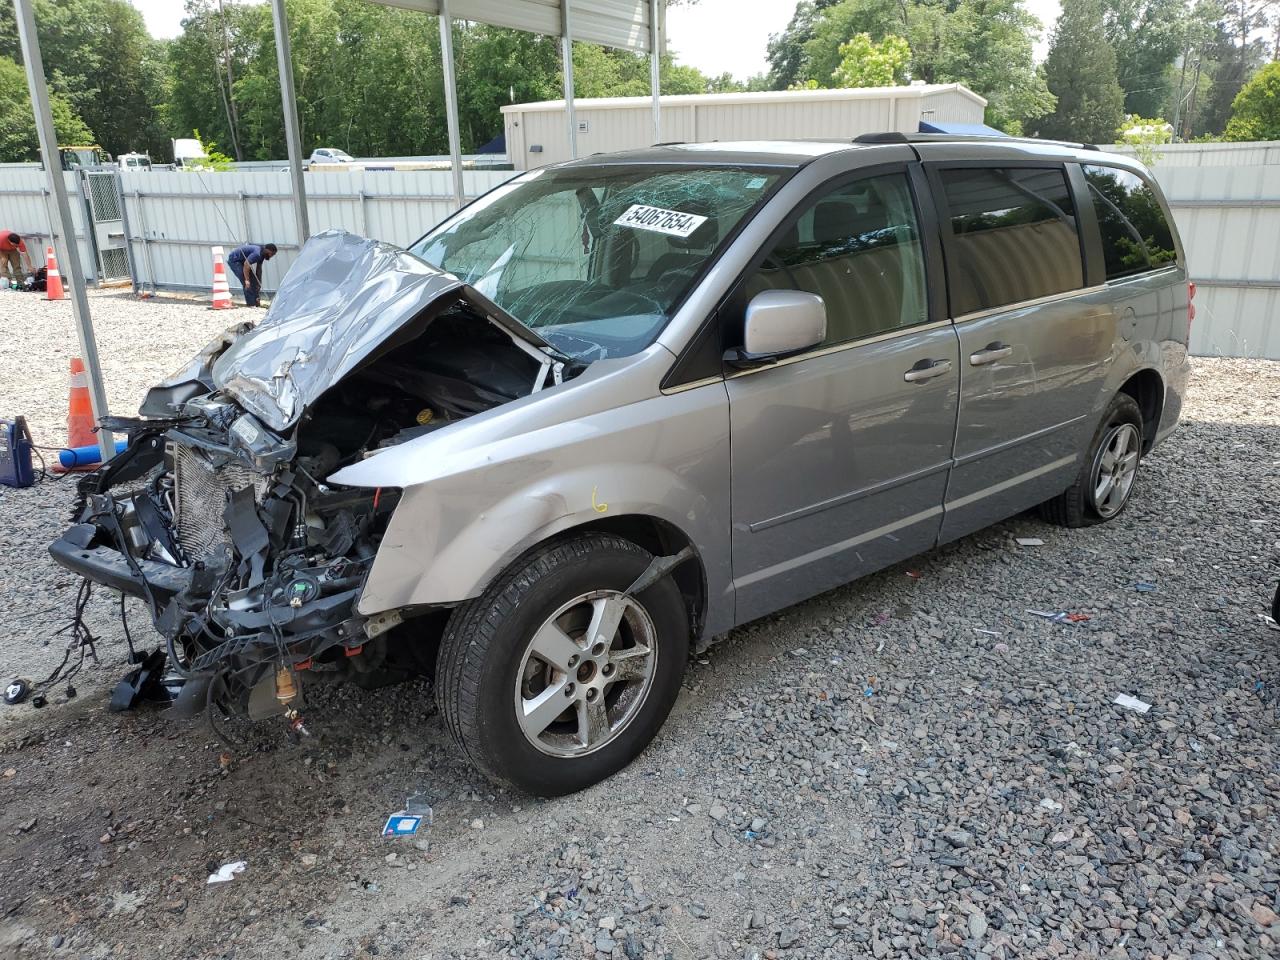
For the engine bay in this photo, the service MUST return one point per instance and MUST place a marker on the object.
(250, 563)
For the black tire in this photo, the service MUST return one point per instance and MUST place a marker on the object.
(1074, 507)
(487, 638)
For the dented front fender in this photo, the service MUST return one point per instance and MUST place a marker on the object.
(477, 494)
(442, 547)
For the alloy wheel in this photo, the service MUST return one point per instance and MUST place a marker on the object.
(1114, 469)
(586, 673)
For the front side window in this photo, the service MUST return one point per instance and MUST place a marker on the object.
(1135, 234)
(595, 259)
(857, 247)
(1014, 235)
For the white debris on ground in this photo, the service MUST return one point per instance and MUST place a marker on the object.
(906, 766)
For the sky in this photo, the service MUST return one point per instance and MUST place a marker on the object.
(716, 36)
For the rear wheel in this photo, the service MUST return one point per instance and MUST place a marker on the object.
(1107, 472)
(556, 677)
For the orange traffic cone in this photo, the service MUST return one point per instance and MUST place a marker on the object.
(53, 291)
(80, 409)
(221, 292)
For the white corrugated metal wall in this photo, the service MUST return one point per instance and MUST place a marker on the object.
(1229, 220)
(1215, 154)
(948, 106)
(25, 205)
(174, 218)
(536, 131)
(1225, 199)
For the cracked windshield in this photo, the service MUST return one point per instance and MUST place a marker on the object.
(596, 259)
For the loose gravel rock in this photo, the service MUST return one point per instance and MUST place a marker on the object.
(139, 342)
(901, 767)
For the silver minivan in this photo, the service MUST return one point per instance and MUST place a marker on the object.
(618, 406)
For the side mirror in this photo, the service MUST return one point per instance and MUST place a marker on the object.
(778, 323)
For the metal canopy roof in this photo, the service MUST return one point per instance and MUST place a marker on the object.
(638, 26)
(614, 23)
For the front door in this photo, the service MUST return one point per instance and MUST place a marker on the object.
(840, 456)
(1035, 343)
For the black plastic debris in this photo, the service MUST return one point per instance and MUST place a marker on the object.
(142, 683)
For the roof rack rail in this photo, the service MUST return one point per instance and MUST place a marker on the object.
(896, 136)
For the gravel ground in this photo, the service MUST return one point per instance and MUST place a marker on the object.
(139, 342)
(912, 765)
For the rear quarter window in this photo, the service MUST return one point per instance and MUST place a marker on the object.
(1136, 237)
(1014, 236)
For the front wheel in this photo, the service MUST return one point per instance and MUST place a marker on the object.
(555, 677)
(1107, 473)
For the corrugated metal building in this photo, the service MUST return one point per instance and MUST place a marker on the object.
(536, 131)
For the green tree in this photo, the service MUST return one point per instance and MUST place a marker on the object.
(317, 80)
(1255, 114)
(1231, 58)
(725, 83)
(1146, 36)
(213, 49)
(1144, 134)
(985, 44)
(99, 56)
(845, 20)
(988, 46)
(786, 50)
(18, 139)
(1081, 73)
(392, 89)
(865, 63)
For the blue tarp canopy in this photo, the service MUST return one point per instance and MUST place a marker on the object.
(960, 129)
(497, 145)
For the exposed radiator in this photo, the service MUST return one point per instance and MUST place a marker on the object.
(200, 494)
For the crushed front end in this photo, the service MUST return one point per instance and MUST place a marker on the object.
(250, 565)
(218, 514)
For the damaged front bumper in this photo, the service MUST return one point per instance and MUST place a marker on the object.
(271, 592)
(219, 515)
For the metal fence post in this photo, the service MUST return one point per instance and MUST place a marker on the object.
(124, 225)
(566, 56)
(61, 220)
(451, 101)
(655, 66)
(293, 138)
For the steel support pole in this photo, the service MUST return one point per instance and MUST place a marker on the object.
(292, 136)
(566, 55)
(451, 101)
(63, 227)
(655, 65)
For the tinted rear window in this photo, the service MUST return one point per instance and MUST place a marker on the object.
(1135, 234)
(1015, 236)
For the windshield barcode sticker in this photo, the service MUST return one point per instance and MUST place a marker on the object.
(673, 222)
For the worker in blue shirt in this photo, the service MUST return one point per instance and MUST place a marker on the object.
(246, 263)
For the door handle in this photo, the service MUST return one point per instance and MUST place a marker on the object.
(990, 354)
(919, 374)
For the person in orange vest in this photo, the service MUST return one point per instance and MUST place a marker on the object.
(13, 251)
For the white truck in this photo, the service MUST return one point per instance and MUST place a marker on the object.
(188, 153)
(134, 161)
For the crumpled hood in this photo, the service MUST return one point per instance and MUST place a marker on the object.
(344, 296)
